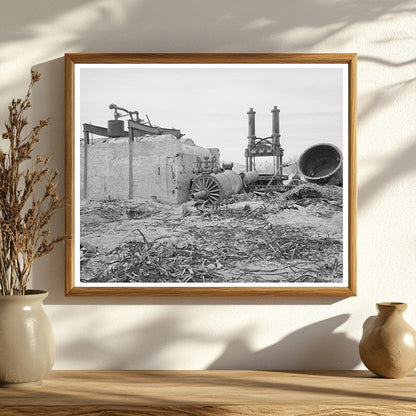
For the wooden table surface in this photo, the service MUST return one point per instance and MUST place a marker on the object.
(254, 393)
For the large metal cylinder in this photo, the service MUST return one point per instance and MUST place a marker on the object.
(321, 164)
(115, 128)
(250, 177)
(214, 188)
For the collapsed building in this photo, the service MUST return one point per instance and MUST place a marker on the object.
(163, 168)
(145, 161)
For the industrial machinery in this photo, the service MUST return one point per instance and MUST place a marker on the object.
(265, 146)
(207, 165)
(214, 188)
(321, 164)
(136, 126)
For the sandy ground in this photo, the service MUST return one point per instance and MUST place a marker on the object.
(261, 239)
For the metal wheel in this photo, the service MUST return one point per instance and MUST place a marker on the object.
(208, 186)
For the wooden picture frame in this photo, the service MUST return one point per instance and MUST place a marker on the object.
(91, 79)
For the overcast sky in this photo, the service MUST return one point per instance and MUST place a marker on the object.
(209, 105)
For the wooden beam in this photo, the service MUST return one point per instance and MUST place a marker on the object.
(100, 131)
(144, 129)
(86, 145)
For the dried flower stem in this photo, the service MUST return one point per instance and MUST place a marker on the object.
(23, 217)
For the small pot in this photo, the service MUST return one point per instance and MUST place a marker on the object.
(388, 344)
(27, 347)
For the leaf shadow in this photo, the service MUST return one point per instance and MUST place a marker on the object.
(313, 347)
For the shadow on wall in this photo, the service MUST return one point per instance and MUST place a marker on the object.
(152, 345)
(241, 27)
(267, 20)
(50, 274)
(394, 168)
(139, 26)
(129, 26)
(48, 99)
(314, 347)
(143, 347)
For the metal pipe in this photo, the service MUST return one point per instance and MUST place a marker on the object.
(199, 194)
(251, 138)
(251, 124)
(276, 126)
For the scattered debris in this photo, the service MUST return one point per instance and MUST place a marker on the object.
(310, 190)
(291, 237)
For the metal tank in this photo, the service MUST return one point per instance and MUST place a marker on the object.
(216, 187)
(321, 164)
(115, 128)
(250, 177)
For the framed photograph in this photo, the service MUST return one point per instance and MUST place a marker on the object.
(211, 174)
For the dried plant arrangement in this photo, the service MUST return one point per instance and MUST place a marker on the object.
(28, 198)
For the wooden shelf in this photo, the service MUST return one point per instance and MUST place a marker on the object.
(202, 393)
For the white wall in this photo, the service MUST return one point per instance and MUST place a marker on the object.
(198, 333)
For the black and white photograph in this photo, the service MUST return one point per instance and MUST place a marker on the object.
(211, 175)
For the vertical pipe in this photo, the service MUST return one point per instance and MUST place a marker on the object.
(251, 138)
(131, 144)
(275, 126)
(251, 124)
(277, 150)
(86, 145)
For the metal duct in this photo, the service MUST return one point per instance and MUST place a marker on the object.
(321, 164)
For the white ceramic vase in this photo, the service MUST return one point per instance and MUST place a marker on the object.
(27, 347)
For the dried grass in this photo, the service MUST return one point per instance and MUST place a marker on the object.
(28, 199)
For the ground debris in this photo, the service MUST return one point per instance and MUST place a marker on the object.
(313, 191)
(210, 256)
(291, 237)
(113, 210)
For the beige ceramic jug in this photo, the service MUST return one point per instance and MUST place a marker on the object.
(388, 344)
